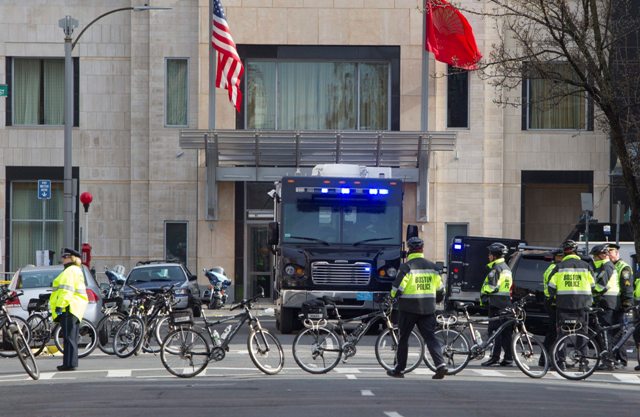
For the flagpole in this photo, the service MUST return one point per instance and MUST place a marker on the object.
(423, 171)
(212, 72)
(211, 187)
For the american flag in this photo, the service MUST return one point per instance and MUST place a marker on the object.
(229, 68)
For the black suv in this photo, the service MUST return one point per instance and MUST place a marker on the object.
(527, 267)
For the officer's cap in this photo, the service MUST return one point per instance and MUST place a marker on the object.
(598, 249)
(613, 246)
(70, 252)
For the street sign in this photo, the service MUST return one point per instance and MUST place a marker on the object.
(44, 189)
(4, 90)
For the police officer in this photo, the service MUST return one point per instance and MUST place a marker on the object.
(496, 292)
(418, 287)
(68, 303)
(625, 278)
(571, 283)
(550, 304)
(607, 289)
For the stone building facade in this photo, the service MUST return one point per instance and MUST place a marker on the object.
(503, 179)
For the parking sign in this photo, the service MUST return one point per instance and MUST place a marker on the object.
(44, 189)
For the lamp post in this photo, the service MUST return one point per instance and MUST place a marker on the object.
(68, 24)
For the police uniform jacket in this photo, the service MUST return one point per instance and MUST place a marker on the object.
(69, 293)
(417, 285)
(571, 283)
(496, 289)
(625, 275)
(607, 284)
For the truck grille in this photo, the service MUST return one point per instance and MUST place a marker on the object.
(325, 273)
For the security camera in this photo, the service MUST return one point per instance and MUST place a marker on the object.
(272, 193)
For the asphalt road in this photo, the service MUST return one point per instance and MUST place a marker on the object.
(140, 386)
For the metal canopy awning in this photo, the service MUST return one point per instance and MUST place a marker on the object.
(268, 155)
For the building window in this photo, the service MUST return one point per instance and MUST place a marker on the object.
(320, 88)
(36, 91)
(457, 97)
(177, 92)
(35, 224)
(317, 95)
(552, 104)
(175, 241)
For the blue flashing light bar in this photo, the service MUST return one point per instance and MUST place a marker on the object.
(457, 246)
(344, 191)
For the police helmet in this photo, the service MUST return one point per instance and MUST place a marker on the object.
(599, 249)
(415, 243)
(569, 246)
(498, 249)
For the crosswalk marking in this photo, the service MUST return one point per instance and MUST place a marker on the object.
(627, 378)
(351, 377)
(366, 393)
(347, 370)
(119, 373)
(392, 414)
(488, 372)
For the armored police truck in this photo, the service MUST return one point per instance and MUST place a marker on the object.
(338, 233)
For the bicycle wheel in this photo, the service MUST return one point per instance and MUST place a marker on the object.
(184, 353)
(107, 327)
(24, 353)
(7, 350)
(265, 351)
(40, 333)
(386, 348)
(87, 338)
(575, 356)
(317, 350)
(455, 351)
(128, 337)
(151, 343)
(162, 329)
(530, 355)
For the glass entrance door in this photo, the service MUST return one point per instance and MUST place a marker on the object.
(259, 270)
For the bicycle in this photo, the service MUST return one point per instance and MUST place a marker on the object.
(112, 317)
(42, 329)
(319, 347)
(20, 343)
(185, 351)
(577, 355)
(147, 323)
(529, 353)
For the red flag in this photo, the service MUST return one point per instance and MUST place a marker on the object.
(230, 68)
(449, 36)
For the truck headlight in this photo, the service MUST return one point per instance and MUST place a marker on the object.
(293, 270)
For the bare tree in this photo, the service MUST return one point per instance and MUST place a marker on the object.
(587, 47)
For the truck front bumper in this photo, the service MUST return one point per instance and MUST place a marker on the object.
(356, 300)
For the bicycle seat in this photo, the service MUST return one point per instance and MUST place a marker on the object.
(463, 305)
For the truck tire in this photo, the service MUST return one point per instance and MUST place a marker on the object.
(287, 320)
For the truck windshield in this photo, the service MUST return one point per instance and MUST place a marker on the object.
(348, 223)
